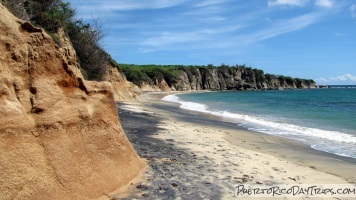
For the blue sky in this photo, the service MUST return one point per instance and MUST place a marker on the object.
(300, 38)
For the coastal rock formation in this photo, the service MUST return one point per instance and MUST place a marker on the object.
(211, 78)
(69, 53)
(236, 78)
(156, 85)
(124, 91)
(60, 136)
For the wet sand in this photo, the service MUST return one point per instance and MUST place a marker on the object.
(199, 156)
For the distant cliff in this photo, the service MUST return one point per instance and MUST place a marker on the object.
(182, 78)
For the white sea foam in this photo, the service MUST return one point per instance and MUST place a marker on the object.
(172, 98)
(186, 104)
(265, 125)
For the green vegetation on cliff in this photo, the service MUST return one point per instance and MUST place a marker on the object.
(53, 15)
(139, 74)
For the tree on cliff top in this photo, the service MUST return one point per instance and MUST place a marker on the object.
(86, 42)
(50, 14)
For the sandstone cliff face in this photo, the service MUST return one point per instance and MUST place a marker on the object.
(156, 86)
(60, 136)
(124, 91)
(69, 53)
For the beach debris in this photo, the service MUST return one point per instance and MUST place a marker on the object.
(141, 187)
(294, 179)
(244, 178)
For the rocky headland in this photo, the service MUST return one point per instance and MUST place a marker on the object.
(184, 78)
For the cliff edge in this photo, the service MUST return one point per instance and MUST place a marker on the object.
(60, 136)
(124, 91)
(182, 78)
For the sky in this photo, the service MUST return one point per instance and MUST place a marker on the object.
(314, 39)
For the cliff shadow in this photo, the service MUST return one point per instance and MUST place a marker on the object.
(173, 171)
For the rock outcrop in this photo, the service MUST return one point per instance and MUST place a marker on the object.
(124, 91)
(227, 78)
(157, 85)
(60, 136)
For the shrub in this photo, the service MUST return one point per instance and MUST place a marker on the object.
(55, 38)
(135, 75)
(298, 82)
(289, 80)
(259, 75)
(85, 39)
(50, 14)
(17, 8)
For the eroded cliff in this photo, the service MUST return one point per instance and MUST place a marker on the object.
(170, 77)
(60, 136)
(236, 78)
(124, 91)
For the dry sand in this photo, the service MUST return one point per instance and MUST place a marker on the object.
(195, 156)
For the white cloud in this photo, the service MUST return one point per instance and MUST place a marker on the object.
(212, 19)
(206, 10)
(322, 80)
(340, 34)
(218, 37)
(210, 2)
(167, 39)
(170, 38)
(283, 27)
(325, 3)
(353, 10)
(139, 4)
(106, 7)
(299, 3)
(346, 78)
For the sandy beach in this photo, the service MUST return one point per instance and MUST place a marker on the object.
(197, 156)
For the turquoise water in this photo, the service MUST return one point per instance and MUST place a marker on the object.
(323, 118)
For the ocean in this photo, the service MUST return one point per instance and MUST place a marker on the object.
(325, 118)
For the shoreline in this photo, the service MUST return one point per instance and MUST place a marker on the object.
(225, 153)
(281, 146)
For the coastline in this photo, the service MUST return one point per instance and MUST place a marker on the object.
(189, 151)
